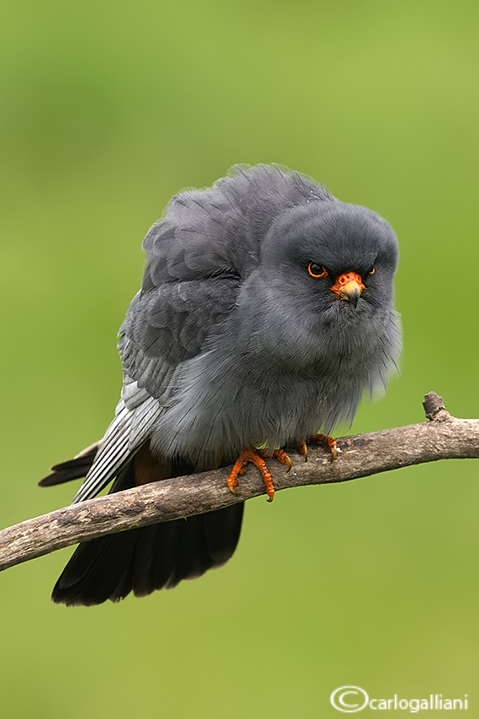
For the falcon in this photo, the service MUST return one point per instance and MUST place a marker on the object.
(266, 311)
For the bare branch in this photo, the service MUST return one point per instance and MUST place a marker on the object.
(444, 437)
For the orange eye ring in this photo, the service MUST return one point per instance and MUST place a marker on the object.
(371, 272)
(316, 270)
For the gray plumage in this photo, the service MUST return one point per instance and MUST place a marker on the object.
(230, 343)
(234, 341)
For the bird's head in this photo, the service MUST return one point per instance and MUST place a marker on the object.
(332, 256)
(328, 268)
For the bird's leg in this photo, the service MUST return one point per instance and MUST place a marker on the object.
(257, 458)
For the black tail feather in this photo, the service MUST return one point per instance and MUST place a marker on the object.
(150, 558)
(142, 560)
(75, 468)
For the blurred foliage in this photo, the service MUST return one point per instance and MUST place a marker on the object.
(107, 110)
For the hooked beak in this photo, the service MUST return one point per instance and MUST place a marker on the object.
(348, 286)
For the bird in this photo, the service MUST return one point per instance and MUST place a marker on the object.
(266, 312)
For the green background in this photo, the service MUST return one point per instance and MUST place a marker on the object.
(107, 110)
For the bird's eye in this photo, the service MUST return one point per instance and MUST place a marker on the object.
(316, 270)
(372, 270)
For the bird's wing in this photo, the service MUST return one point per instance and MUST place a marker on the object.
(163, 328)
(167, 323)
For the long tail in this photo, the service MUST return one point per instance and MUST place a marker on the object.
(142, 560)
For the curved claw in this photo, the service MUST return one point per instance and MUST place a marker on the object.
(303, 449)
(333, 448)
(283, 457)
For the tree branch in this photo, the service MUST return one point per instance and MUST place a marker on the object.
(443, 437)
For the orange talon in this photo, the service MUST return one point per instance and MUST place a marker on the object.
(240, 466)
(327, 441)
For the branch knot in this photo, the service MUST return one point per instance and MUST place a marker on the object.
(434, 408)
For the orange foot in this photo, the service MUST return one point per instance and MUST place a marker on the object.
(323, 439)
(257, 459)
